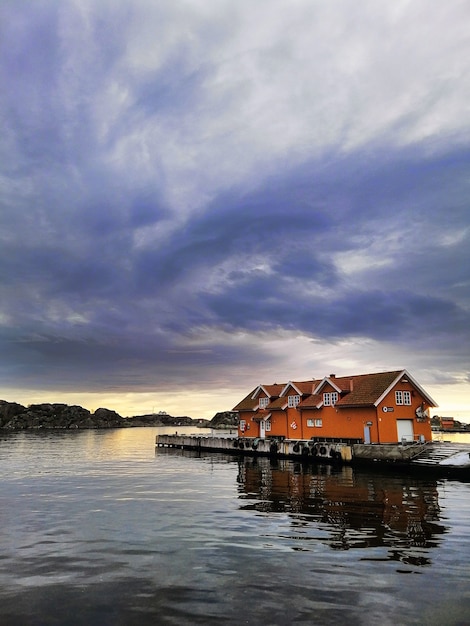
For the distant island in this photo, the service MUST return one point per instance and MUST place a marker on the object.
(14, 416)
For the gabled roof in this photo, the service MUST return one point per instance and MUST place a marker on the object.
(366, 389)
(249, 403)
(371, 389)
(305, 387)
(354, 391)
(406, 375)
(329, 380)
(271, 391)
(301, 388)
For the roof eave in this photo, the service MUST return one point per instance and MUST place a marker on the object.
(324, 382)
(290, 384)
(355, 405)
(415, 384)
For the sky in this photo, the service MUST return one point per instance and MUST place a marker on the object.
(197, 197)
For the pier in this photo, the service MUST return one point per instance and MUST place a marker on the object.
(430, 455)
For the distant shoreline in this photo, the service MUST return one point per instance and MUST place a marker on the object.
(451, 430)
(57, 416)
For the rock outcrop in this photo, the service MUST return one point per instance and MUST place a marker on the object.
(224, 420)
(14, 416)
(158, 419)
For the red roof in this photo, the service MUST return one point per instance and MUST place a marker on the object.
(305, 387)
(311, 402)
(278, 403)
(366, 389)
(273, 390)
(360, 390)
(247, 404)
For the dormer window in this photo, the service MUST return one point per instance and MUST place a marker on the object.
(263, 403)
(330, 398)
(293, 401)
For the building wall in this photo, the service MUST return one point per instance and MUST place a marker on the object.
(388, 420)
(251, 428)
(278, 424)
(340, 423)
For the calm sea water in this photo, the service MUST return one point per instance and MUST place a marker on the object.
(97, 528)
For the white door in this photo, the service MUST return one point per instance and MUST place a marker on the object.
(262, 429)
(366, 434)
(405, 430)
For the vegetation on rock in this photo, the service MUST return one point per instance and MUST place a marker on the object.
(14, 416)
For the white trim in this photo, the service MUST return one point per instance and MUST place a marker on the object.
(294, 403)
(390, 387)
(325, 381)
(290, 384)
(331, 401)
(257, 390)
(416, 385)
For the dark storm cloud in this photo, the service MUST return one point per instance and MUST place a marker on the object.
(139, 304)
(166, 185)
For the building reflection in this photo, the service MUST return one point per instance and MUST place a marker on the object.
(347, 508)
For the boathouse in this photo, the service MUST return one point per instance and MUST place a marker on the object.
(378, 408)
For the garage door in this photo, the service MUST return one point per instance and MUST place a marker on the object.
(405, 430)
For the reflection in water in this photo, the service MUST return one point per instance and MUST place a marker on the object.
(347, 508)
(100, 529)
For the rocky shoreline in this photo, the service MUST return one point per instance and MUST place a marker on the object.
(14, 416)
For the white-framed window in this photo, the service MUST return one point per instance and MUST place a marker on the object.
(263, 403)
(330, 398)
(318, 423)
(242, 425)
(268, 425)
(293, 401)
(403, 397)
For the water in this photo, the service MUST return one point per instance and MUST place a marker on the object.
(99, 529)
(453, 437)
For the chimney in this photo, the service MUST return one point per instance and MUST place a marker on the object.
(351, 385)
(332, 375)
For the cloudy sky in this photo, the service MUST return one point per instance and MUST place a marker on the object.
(196, 197)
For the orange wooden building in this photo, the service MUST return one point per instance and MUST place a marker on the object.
(386, 407)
